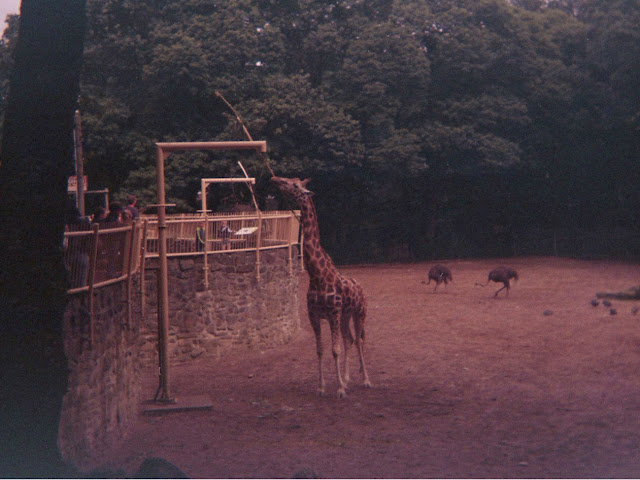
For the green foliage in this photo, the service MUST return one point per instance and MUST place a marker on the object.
(409, 103)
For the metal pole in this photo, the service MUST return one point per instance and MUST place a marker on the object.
(163, 287)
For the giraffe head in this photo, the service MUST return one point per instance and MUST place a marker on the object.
(293, 188)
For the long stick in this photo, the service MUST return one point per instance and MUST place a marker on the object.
(263, 155)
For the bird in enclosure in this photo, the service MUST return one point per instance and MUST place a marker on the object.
(439, 274)
(502, 275)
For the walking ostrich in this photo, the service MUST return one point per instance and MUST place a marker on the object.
(503, 275)
(440, 274)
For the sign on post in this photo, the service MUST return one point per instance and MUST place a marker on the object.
(72, 184)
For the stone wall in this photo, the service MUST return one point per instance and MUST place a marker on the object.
(236, 310)
(104, 388)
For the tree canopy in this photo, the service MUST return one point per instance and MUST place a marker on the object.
(448, 128)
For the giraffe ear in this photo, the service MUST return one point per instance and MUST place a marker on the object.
(303, 184)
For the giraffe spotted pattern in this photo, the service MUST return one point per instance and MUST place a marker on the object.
(331, 295)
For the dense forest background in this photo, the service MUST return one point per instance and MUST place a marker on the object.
(430, 129)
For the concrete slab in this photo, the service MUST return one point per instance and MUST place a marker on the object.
(182, 404)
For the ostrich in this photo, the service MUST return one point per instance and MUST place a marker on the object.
(501, 275)
(439, 274)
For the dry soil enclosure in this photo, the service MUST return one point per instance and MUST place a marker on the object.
(465, 385)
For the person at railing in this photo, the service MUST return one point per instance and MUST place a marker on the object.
(131, 207)
(201, 237)
(225, 235)
(99, 215)
(115, 213)
(126, 216)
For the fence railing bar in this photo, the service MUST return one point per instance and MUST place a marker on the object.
(143, 248)
(272, 231)
(205, 249)
(92, 278)
(132, 241)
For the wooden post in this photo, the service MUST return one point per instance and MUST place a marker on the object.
(289, 253)
(259, 235)
(143, 264)
(92, 278)
(163, 287)
(258, 245)
(132, 242)
(205, 257)
(203, 195)
(206, 251)
(301, 231)
(163, 149)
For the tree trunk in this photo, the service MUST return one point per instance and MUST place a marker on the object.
(35, 161)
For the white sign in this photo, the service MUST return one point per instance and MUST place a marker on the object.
(72, 183)
(246, 230)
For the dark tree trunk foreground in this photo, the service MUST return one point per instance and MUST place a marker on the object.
(35, 161)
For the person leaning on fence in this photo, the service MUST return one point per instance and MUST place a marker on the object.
(131, 207)
(201, 237)
(225, 234)
(99, 215)
(126, 216)
(115, 213)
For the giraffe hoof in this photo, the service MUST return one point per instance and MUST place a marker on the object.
(367, 384)
(342, 393)
(321, 392)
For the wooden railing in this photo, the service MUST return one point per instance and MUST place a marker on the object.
(98, 255)
(245, 231)
(226, 232)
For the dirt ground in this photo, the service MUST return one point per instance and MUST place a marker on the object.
(536, 385)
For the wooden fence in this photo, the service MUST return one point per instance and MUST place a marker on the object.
(255, 231)
(219, 233)
(98, 255)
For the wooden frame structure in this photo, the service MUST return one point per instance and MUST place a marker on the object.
(163, 151)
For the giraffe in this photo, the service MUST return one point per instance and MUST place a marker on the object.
(331, 295)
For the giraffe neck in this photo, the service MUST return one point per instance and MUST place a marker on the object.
(316, 260)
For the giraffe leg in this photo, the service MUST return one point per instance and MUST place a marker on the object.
(347, 339)
(335, 347)
(317, 330)
(358, 321)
